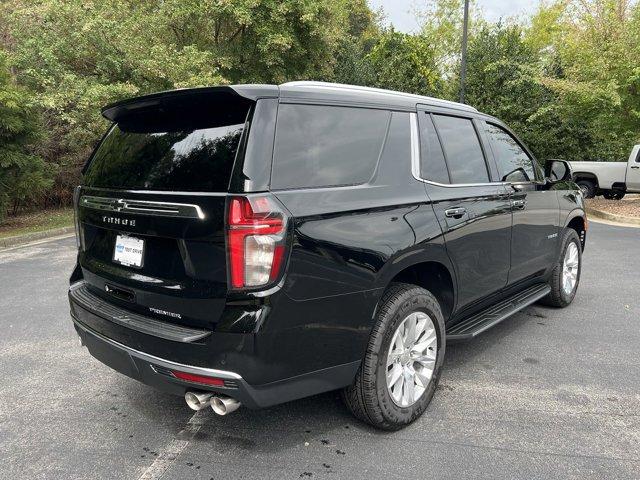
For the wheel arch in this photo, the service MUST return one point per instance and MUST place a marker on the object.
(577, 176)
(434, 274)
(577, 220)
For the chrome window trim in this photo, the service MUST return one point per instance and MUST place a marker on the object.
(142, 207)
(415, 146)
(415, 161)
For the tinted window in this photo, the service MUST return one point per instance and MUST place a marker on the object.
(188, 160)
(395, 161)
(514, 165)
(319, 146)
(462, 150)
(432, 164)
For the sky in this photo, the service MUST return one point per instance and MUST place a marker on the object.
(400, 12)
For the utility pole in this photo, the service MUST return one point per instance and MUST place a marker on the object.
(463, 63)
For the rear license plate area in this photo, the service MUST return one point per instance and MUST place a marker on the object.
(129, 251)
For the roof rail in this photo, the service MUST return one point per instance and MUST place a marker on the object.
(380, 91)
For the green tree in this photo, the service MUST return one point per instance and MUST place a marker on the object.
(406, 63)
(503, 79)
(589, 50)
(23, 176)
(78, 55)
(352, 64)
(567, 79)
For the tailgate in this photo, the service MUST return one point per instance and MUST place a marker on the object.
(183, 275)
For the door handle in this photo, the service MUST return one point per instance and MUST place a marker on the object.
(520, 204)
(635, 167)
(455, 212)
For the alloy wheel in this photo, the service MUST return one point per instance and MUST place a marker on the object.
(570, 266)
(411, 359)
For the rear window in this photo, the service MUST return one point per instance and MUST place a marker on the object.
(322, 146)
(167, 156)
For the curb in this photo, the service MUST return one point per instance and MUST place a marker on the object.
(30, 237)
(612, 217)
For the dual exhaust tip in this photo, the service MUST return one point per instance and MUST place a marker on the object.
(221, 405)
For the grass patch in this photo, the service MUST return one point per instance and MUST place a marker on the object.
(36, 222)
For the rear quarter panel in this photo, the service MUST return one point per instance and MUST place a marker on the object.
(348, 244)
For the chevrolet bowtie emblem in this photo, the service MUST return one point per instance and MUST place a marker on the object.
(118, 205)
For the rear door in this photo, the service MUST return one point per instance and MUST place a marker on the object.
(535, 236)
(474, 212)
(152, 209)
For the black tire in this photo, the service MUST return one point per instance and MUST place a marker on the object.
(613, 195)
(588, 188)
(369, 398)
(558, 296)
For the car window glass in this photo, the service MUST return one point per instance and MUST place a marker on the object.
(318, 146)
(462, 149)
(188, 160)
(395, 161)
(514, 165)
(432, 163)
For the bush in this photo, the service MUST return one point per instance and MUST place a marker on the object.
(23, 175)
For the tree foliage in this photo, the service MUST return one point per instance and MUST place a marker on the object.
(406, 63)
(23, 175)
(75, 56)
(567, 79)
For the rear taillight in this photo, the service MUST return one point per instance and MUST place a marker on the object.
(257, 230)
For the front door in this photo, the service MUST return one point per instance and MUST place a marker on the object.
(536, 233)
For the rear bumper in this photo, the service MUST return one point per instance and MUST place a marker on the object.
(155, 372)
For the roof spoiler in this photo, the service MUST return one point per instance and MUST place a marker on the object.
(173, 98)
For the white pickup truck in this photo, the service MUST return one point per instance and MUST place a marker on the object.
(610, 179)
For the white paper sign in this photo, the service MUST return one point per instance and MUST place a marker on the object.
(128, 251)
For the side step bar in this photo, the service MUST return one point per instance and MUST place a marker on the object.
(479, 322)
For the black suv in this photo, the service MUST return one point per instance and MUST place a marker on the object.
(257, 244)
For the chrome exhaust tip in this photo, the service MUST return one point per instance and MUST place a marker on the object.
(224, 405)
(197, 400)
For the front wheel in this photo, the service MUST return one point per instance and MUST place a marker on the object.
(565, 276)
(402, 364)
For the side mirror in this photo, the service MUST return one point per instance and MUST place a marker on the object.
(557, 171)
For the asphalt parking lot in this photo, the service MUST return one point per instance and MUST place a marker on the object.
(546, 394)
